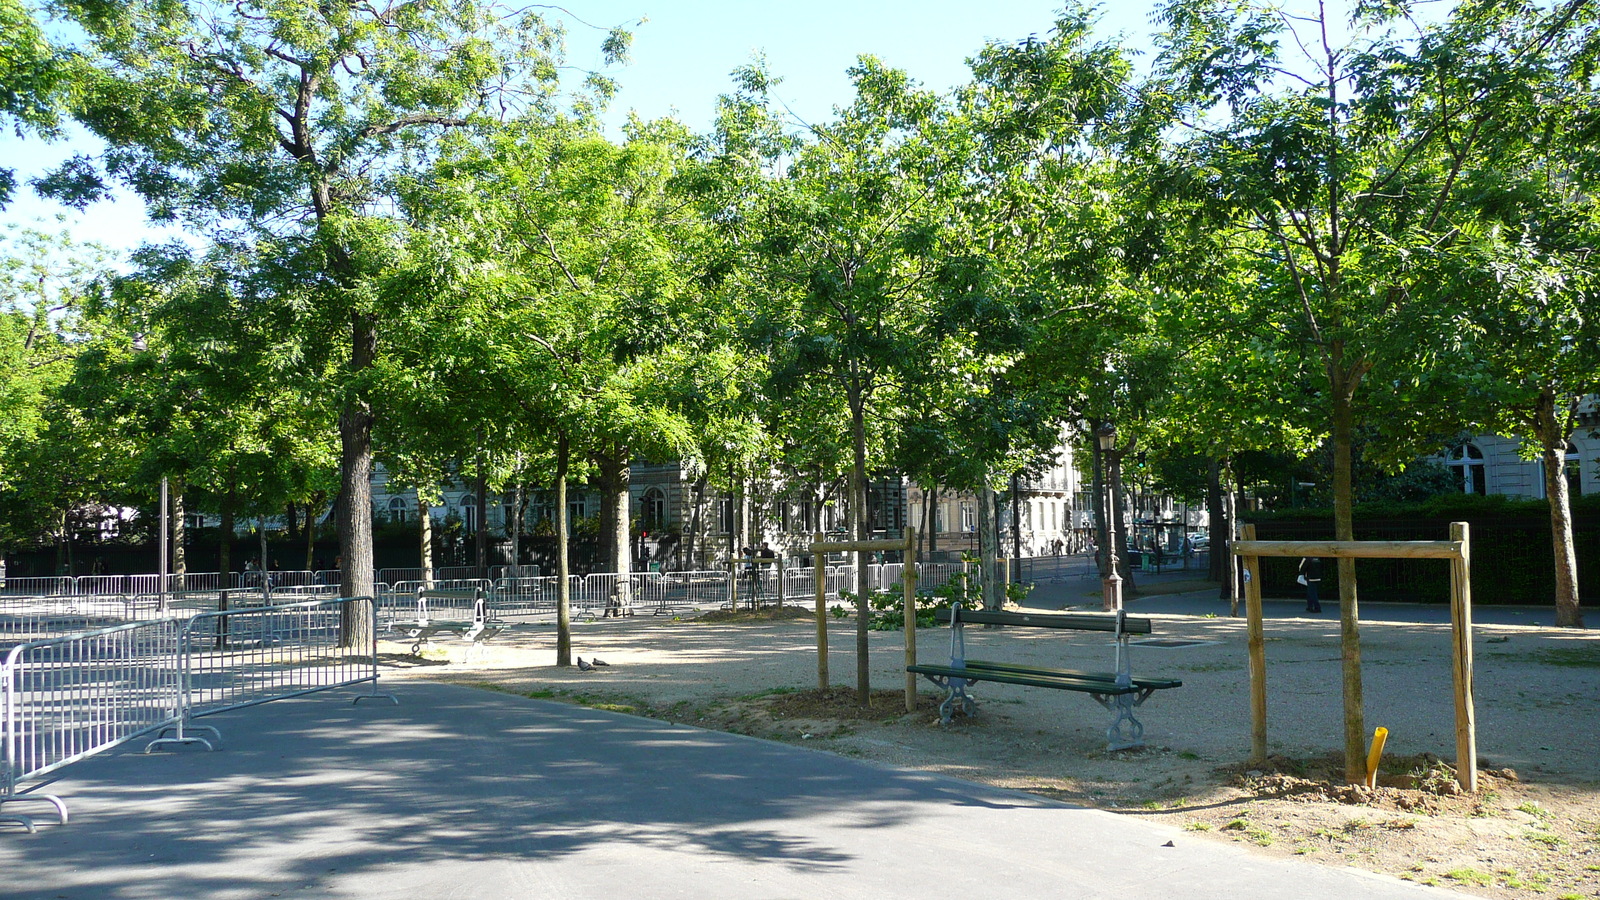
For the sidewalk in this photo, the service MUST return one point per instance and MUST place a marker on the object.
(1180, 592)
(461, 792)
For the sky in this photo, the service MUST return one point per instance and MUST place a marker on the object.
(682, 55)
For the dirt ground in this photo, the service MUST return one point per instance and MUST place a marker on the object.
(1533, 829)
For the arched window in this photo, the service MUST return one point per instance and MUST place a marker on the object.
(469, 513)
(397, 510)
(654, 510)
(1466, 463)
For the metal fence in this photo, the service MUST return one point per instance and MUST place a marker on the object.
(440, 573)
(249, 656)
(65, 697)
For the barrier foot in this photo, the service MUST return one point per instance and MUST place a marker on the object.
(181, 739)
(27, 821)
(376, 695)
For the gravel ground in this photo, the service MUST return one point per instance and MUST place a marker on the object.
(1533, 830)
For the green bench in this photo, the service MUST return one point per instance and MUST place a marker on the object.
(1118, 690)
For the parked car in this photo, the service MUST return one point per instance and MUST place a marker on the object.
(1199, 540)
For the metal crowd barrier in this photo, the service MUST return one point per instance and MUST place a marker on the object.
(440, 573)
(66, 697)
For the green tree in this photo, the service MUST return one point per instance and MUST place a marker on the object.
(843, 248)
(291, 120)
(1342, 160)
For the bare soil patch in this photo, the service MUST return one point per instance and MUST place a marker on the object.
(1533, 830)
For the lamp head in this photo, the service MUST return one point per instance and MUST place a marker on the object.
(1107, 436)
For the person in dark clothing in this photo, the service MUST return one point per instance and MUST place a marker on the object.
(1311, 577)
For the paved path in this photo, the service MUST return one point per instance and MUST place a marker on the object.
(1085, 594)
(458, 792)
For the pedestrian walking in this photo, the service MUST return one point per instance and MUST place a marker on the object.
(1311, 577)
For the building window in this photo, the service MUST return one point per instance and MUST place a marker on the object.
(725, 523)
(469, 513)
(1466, 463)
(969, 516)
(654, 511)
(397, 511)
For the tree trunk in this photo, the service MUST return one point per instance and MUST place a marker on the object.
(1552, 435)
(696, 522)
(1344, 383)
(927, 525)
(311, 537)
(425, 538)
(64, 544)
(1119, 526)
(1016, 524)
(480, 539)
(563, 566)
(1231, 585)
(355, 489)
(225, 538)
(1216, 521)
(862, 529)
(933, 521)
(988, 549)
(1102, 510)
(615, 507)
(180, 560)
(515, 527)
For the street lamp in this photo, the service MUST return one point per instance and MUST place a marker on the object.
(1111, 585)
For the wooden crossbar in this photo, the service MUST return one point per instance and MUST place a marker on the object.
(1351, 549)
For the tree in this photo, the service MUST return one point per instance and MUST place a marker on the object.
(843, 246)
(567, 321)
(1342, 162)
(291, 120)
(1037, 301)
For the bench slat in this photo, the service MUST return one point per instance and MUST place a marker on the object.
(1074, 621)
(1082, 685)
(1151, 683)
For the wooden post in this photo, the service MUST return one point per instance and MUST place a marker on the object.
(908, 580)
(1258, 653)
(822, 612)
(1461, 630)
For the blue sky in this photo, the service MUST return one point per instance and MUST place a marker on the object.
(682, 56)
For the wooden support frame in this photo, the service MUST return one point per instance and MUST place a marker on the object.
(1458, 550)
(908, 581)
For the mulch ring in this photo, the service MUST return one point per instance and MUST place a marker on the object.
(1422, 783)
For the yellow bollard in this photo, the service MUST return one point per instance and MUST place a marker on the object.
(1379, 738)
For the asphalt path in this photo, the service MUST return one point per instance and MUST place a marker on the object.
(1079, 592)
(460, 792)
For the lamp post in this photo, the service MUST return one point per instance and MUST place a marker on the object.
(1111, 585)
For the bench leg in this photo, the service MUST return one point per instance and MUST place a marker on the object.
(1125, 732)
(955, 691)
